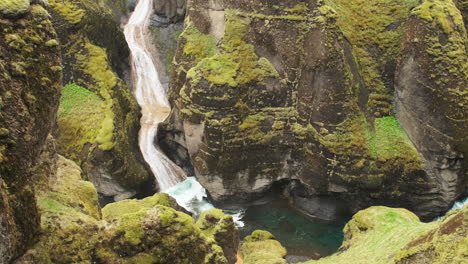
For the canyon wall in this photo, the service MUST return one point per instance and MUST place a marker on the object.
(313, 93)
(98, 118)
(30, 85)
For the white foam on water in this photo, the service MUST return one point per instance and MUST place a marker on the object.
(191, 195)
(457, 205)
(155, 108)
(150, 94)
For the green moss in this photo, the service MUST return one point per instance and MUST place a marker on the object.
(52, 43)
(299, 8)
(214, 221)
(69, 10)
(438, 12)
(115, 210)
(39, 11)
(4, 132)
(80, 117)
(259, 235)
(375, 31)
(390, 141)
(14, 7)
(260, 248)
(235, 63)
(390, 235)
(93, 61)
(198, 45)
(131, 226)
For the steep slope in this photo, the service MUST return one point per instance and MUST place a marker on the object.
(98, 117)
(388, 235)
(303, 91)
(30, 85)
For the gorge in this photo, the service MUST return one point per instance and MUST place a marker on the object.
(328, 131)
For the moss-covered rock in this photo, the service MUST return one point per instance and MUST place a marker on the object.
(431, 94)
(261, 248)
(304, 90)
(389, 235)
(29, 94)
(98, 117)
(129, 231)
(214, 223)
(12, 8)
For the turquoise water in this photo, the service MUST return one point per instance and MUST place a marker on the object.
(300, 235)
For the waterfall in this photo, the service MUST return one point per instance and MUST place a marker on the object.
(155, 108)
(151, 96)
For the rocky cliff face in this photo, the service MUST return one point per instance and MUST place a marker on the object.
(431, 97)
(302, 91)
(30, 84)
(98, 119)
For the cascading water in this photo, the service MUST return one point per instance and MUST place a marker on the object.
(155, 108)
(151, 96)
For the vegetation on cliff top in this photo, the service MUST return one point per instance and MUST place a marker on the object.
(389, 235)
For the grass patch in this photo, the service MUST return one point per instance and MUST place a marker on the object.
(80, 117)
(389, 139)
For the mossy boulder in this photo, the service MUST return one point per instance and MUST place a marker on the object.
(392, 235)
(261, 248)
(214, 223)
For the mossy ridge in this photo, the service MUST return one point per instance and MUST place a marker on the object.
(89, 65)
(391, 235)
(375, 31)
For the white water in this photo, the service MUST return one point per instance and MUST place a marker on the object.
(155, 108)
(457, 205)
(151, 96)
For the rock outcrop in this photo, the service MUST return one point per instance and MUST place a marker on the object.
(300, 90)
(261, 248)
(98, 119)
(130, 231)
(432, 99)
(30, 85)
(389, 235)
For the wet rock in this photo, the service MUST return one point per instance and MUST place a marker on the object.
(168, 12)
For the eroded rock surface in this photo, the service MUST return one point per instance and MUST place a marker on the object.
(297, 90)
(30, 85)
